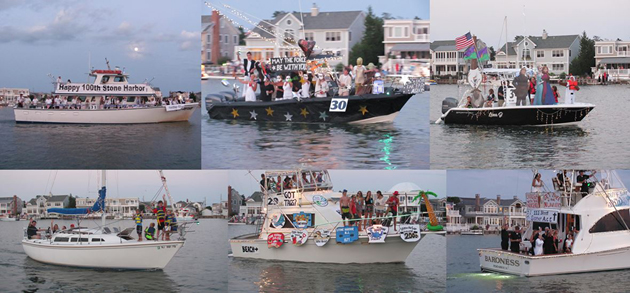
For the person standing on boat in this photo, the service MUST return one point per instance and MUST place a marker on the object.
(547, 96)
(287, 89)
(572, 87)
(359, 79)
(249, 65)
(360, 201)
(380, 206)
(304, 92)
(521, 82)
(393, 203)
(515, 240)
(538, 245)
(160, 212)
(505, 237)
(369, 209)
(345, 83)
(532, 90)
(149, 231)
(138, 219)
(537, 184)
(539, 88)
(250, 88)
(321, 86)
(501, 94)
(167, 225)
(344, 207)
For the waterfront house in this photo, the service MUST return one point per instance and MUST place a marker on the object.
(125, 207)
(9, 96)
(406, 43)
(218, 38)
(334, 32)
(41, 203)
(486, 213)
(445, 59)
(613, 58)
(10, 205)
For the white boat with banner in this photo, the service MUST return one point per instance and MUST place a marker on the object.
(597, 216)
(108, 99)
(101, 247)
(302, 222)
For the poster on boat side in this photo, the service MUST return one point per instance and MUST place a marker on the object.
(302, 220)
(288, 64)
(275, 240)
(299, 237)
(320, 200)
(543, 200)
(409, 232)
(321, 237)
(543, 216)
(347, 234)
(377, 233)
(277, 220)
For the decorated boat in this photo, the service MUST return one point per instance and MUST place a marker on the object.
(101, 247)
(108, 99)
(598, 222)
(302, 222)
(474, 108)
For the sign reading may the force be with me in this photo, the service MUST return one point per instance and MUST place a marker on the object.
(280, 64)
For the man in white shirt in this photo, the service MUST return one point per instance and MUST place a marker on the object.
(321, 87)
(345, 83)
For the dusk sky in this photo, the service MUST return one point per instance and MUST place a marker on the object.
(58, 37)
(355, 180)
(264, 9)
(484, 18)
(507, 183)
(193, 185)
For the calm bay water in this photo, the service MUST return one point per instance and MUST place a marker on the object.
(424, 271)
(200, 266)
(403, 144)
(464, 274)
(64, 146)
(598, 141)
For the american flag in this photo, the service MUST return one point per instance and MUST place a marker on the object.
(464, 41)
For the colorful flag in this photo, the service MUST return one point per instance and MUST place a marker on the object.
(482, 55)
(470, 53)
(463, 41)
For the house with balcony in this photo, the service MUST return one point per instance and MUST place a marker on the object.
(446, 60)
(10, 205)
(488, 213)
(406, 43)
(556, 52)
(334, 32)
(124, 207)
(218, 35)
(41, 203)
(612, 57)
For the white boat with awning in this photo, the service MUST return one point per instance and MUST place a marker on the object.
(599, 220)
(109, 99)
(302, 222)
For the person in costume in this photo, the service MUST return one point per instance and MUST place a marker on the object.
(539, 88)
(547, 96)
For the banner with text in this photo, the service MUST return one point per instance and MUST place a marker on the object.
(287, 64)
(103, 89)
(544, 216)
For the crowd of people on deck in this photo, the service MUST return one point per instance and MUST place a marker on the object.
(543, 241)
(364, 211)
(257, 77)
(105, 102)
(166, 225)
(528, 90)
(562, 180)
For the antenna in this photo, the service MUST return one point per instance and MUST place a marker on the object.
(107, 62)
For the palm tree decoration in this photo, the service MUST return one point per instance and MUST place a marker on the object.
(434, 224)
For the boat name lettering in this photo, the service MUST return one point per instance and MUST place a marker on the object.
(503, 261)
(87, 87)
(497, 115)
(249, 249)
(165, 246)
(272, 201)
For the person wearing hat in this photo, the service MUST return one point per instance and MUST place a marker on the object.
(393, 203)
(344, 207)
(345, 83)
(359, 73)
(321, 86)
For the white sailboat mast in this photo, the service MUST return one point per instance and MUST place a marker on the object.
(168, 193)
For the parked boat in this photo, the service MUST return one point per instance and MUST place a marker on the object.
(109, 99)
(301, 220)
(598, 221)
(101, 247)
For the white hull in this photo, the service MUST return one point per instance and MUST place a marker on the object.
(142, 255)
(111, 116)
(393, 250)
(496, 260)
(8, 219)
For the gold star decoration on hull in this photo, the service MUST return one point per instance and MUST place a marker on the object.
(269, 111)
(363, 110)
(234, 113)
(303, 112)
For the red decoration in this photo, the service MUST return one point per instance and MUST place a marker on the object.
(306, 46)
(275, 240)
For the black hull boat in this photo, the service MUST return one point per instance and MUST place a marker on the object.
(367, 108)
(519, 115)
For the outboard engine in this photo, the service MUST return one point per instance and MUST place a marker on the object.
(448, 103)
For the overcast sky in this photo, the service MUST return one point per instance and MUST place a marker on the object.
(355, 180)
(58, 36)
(484, 18)
(507, 183)
(263, 9)
(182, 184)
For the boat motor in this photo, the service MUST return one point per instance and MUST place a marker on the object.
(448, 103)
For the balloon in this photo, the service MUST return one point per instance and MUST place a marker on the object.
(306, 46)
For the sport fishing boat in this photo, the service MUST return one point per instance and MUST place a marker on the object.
(598, 220)
(101, 247)
(302, 222)
(108, 99)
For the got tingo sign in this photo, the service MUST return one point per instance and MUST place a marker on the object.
(103, 89)
(280, 64)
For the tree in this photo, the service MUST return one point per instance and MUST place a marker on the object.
(585, 60)
(141, 207)
(223, 60)
(453, 199)
(241, 36)
(493, 53)
(339, 67)
(371, 45)
(193, 97)
(278, 12)
(72, 202)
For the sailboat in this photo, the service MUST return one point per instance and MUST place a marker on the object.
(183, 214)
(100, 247)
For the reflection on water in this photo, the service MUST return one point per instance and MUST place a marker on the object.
(599, 141)
(424, 271)
(402, 144)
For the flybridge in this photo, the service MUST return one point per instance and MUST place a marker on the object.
(87, 88)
